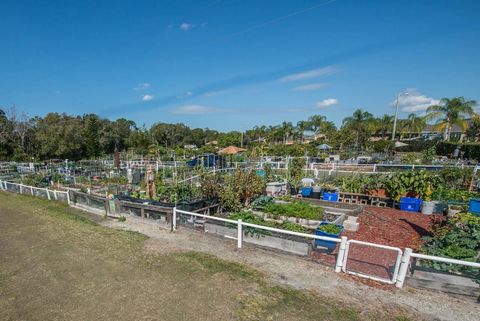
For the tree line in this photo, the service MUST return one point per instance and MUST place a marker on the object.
(60, 136)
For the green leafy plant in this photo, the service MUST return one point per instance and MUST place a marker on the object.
(457, 237)
(122, 219)
(249, 217)
(330, 228)
(298, 208)
(262, 201)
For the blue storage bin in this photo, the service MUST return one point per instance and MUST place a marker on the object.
(332, 197)
(328, 244)
(306, 191)
(410, 204)
(474, 206)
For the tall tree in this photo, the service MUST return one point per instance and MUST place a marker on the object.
(91, 132)
(361, 123)
(316, 123)
(449, 112)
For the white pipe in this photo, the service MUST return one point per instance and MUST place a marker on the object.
(445, 260)
(402, 273)
(267, 228)
(239, 234)
(174, 218)
(397, 262)
(341, 254)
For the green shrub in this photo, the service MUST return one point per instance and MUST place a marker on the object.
(122, 219)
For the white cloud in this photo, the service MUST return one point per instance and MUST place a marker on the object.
(309, 87)
(195, 110)
(309, 74)
(414, 101)
(327, 103)
(143, 86)
(185, 26)
(147, 97)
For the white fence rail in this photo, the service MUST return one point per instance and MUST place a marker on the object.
(35, 191)
(400, 268)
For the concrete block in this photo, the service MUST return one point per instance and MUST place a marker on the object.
(351, 226)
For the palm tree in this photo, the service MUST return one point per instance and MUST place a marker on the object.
(450, 112)
(302, 126)
(287, 129)
(385, 124)
(360, 122)
(316, 123)
(415, 124)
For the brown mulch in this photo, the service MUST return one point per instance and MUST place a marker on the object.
(384, 226)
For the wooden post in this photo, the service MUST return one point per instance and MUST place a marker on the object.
(106, 207)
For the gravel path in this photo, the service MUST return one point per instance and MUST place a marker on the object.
(302, 273)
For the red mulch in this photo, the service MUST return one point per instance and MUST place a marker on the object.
(384, 226)
(392, 227)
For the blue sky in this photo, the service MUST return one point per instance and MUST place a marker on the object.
(234, 64)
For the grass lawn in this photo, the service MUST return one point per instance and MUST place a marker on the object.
(56, 264)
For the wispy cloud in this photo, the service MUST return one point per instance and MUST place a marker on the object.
(309, 74)
(185, 26)
(310, 87)
(414, 101)
(327, 103)
(214, 93)
(147, 97)
(185, 95)
(197, 110)
(142, 86)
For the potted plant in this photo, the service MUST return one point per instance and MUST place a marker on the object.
(328, 230)
(428, 206)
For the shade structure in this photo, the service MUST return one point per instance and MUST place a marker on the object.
(231, 150)
(324, 147)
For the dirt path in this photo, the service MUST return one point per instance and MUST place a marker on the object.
(305, 274)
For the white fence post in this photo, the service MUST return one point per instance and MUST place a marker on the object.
(68, 198)
(31, 190)
(174, 219)
(55, 195)
(239, 234)
(402, 273)
(48, 194)
(341, 254)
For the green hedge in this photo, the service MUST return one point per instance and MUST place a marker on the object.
(471, 150)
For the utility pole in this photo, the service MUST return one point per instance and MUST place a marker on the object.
(396, 115)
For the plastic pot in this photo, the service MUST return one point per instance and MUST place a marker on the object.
(428, 207)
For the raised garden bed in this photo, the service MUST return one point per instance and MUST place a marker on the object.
(288, 243)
